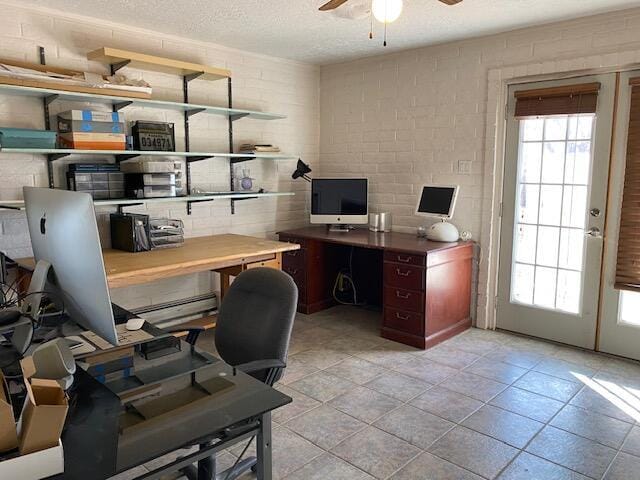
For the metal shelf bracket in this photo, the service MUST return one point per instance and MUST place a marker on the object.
(117, 66)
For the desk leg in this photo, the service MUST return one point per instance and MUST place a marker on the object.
(263, 448)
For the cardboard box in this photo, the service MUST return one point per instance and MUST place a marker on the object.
(92, 141)
(8, 432)
(67, 126)
(91, 116)
(37, 465)
(43, 414)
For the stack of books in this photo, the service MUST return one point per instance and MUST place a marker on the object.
(254, 148)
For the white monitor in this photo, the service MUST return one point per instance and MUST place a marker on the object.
(339, 201)
(437, 201)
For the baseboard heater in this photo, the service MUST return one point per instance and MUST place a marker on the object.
(170, 314)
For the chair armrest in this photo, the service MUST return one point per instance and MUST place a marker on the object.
(258, 365)
(192, 332)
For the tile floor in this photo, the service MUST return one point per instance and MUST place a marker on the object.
(481, 405)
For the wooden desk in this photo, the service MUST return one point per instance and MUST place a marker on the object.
(216, 252)
(425, 286)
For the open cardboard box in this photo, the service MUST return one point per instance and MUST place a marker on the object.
(43, 414)
(38, 431)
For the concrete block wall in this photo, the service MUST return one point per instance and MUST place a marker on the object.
(259, 83)
(429, 115)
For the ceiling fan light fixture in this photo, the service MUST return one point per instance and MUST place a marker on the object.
(386, 11)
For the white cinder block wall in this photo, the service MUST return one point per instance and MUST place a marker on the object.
(259, 83)
(420, 116)
(429, 115)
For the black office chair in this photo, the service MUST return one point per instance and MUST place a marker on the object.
(252, 334)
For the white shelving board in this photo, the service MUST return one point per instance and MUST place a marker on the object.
(19, 204)
(63, 151)
(137, 102)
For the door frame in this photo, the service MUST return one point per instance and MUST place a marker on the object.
(578, 332)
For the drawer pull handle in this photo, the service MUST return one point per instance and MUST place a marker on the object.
(402, 317)
(403, 274)
(403, 259)
(402, 295)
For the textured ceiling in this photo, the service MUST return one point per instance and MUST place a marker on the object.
(295, 29)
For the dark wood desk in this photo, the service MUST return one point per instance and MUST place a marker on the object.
(426, 286)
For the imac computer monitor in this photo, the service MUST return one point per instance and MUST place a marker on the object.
(339, 201)
(437, 201)
(64, 233)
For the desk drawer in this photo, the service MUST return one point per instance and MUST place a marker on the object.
(409, 322)
(404, 299)
(399, 257)
(407, 277)
(294, 260)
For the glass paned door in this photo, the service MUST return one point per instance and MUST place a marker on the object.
(554, 165)
(554, 200)
(620, 311)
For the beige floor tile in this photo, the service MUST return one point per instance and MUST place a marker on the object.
(376, 452)
(529, 404)
(530, 467)
(474, 386)
(502, 425)
(473, 451)
(414, 426)
(624, 467)
(594, 426)
(495, 370)
(365, 404)
(571, 451)
(398, 386)
(548, 386)
(446, 404)
(430, 467)
(329, 467)
(325, 426)
(322, 386)
(356, 370)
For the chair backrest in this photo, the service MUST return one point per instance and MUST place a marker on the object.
(256, 317)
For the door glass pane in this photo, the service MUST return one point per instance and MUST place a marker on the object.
(554, 165)
(629, 311)
(550, 199)
(531, 162)
(548, 242)
(528, 198)
(544, 294)
(553, 162)
(526, 239)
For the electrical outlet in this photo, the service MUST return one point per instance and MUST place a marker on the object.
(464, 167)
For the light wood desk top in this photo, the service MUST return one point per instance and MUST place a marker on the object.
(197, 255)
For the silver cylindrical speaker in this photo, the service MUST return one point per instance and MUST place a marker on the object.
(374, 222)
(385, 222)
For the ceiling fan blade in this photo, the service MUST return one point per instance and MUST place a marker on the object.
(332, 5)
(450, 2)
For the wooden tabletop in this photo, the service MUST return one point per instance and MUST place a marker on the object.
(362, 237)
(197, 255)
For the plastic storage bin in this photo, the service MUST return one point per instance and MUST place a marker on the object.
(26, 138)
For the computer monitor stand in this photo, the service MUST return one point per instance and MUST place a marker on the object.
(340, 228)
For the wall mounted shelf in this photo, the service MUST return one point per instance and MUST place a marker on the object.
(122, 102)
(117, 59)
(57, 153)
(121, 58)
(189, 199)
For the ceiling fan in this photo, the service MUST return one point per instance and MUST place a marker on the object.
(385, 11)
